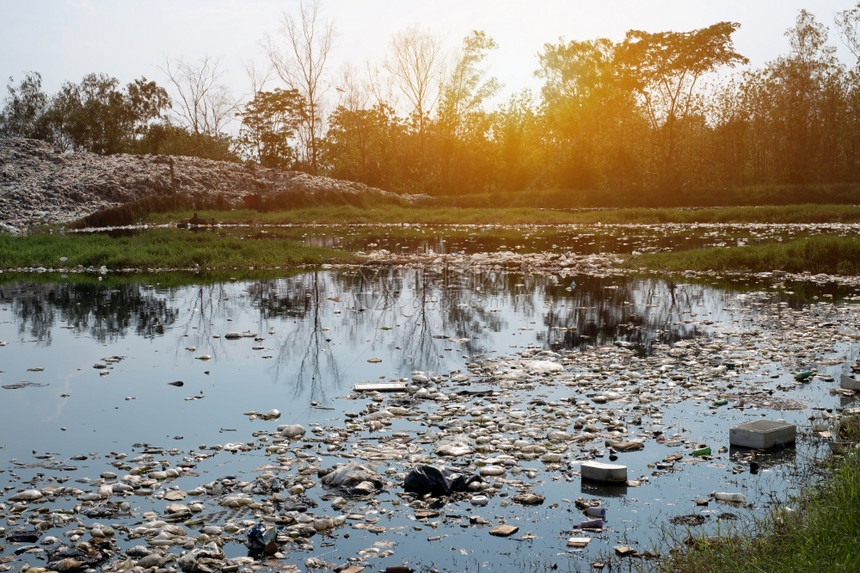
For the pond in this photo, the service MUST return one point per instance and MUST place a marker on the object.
(109, 382)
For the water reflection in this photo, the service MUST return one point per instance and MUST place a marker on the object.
(104, 312)
(429, 309)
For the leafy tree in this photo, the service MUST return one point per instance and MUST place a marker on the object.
(24, 110)
(269, 124)
(170, 139)
(663, 69)
(366, 145)
(96, 116)
(462, 126)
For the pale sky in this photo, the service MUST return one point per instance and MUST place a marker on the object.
(67, 39)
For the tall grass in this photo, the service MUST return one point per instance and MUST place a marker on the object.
(820, 254)
(502, 215)
(821, 531)
(159, 248)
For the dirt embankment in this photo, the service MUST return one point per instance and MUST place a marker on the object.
(40, 185)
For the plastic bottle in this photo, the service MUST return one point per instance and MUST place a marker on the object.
(726, 496)
(596, 512)
(803, 376)
(706, 451)
(591, 524)
(720, 402)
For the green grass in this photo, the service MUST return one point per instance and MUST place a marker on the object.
(343, 214)
(159, 249)
(820, 533)
(820, 254)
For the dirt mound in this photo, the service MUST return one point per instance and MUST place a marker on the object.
(40, 185)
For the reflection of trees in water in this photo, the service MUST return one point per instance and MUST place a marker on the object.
(604, 310)
(107, 313)
(305, 345)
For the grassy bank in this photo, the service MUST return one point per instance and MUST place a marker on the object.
(391, 214)
(821, 254)
(159, 248)
(821, 531)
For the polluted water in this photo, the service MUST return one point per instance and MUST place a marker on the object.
(404, 416)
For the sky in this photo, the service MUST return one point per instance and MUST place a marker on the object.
(64, 40)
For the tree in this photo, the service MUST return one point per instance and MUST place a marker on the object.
(301, 65)
(415, 63)
(581, 104)
(462, 125)
(365, 145)
(25, 108)
(663, 69)
(848, 28)
(203, 103)
(269, 123)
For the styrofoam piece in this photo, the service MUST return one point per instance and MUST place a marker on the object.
(599, 471)
(762, 434)
(849, 382)
(380, 387)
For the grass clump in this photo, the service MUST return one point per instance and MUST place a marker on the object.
(159, 248)
(821, 254)
(501, 215)
(821, 532)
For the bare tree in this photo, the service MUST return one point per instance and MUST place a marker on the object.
(354, 92)
(300, 64)
(416, 65)
(848, 28)
(205, 104)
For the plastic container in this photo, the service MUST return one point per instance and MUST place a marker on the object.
(706, 451)
(598, 471)
(596, 512)
(590, 524)
(727, 496)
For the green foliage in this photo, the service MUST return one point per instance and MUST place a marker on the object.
(819, 531)
(159, 249)
(24, 112)
(366, 145)
(269, 124)
(169, 139)
(830, 254)
(96, 116)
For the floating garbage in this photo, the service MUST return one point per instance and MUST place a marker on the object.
(729, 497)
(380, 387)
(504, 530)
(596, 511)
(762, 434)
(353, 479)
(262, 538)
(599, 471)
(804, 376)
(706, 451)
(426, 479)
(590, 524)
(849, 383)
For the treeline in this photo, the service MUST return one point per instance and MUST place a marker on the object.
(656, 119)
